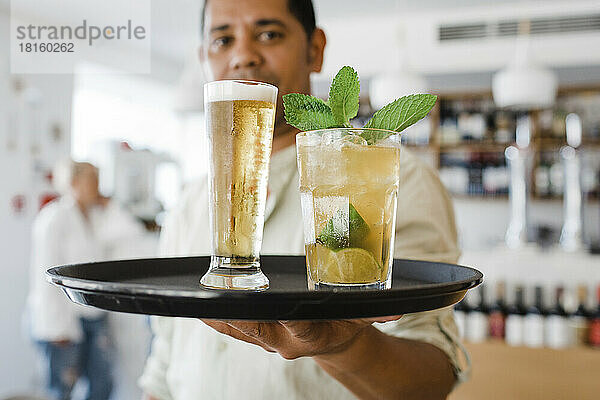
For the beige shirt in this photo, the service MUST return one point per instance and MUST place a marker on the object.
(189, 360)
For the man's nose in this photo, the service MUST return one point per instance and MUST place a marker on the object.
(245, 55)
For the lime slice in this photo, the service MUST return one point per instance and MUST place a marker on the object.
(317, 256)
(352, 265)
(342, 232)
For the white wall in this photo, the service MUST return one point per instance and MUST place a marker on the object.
(22, 170)
(18, 176)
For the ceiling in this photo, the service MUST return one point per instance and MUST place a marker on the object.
(175, 22)
(336, 8)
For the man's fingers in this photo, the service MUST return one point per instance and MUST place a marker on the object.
(304, 330)
(267, 333)
(384, 319)
(227, 329)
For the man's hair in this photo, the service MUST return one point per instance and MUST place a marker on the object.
(303, 10)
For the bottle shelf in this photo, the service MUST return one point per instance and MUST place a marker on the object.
(474, 147)
(470, 132)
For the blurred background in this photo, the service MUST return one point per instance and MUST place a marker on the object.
(515, 136)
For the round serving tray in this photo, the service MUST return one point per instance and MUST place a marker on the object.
(170, 287)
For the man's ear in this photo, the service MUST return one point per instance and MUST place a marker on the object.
(316, 48)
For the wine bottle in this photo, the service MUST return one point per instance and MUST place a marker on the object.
(477, 320)
(594, 333)
(514, 319)
(497, 313)
(579, 321)
(533, 324)
(556, 326)
(461, 310)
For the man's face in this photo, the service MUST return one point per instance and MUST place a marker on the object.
(85, 185)
(259, 40)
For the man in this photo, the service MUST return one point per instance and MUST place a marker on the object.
(414, 357)
(81, 226)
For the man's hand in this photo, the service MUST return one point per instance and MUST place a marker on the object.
(294, 339)
(371, 364)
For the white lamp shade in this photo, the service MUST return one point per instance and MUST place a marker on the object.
(524, 87)
(384, 89)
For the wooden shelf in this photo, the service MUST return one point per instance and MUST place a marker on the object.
(504, 372)
(590, 144)
(503, 197)
(550, 142)
(540, 145)
(428, 147)
(491, 147)
(474, 147)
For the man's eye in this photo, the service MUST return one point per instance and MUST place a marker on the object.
(222, 41)
(269, 35)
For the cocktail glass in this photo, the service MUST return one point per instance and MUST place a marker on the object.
(349, 187)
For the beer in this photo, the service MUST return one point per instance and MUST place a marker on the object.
(240, 117)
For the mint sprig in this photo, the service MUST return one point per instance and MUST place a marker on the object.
(343, 96)
(309, 113)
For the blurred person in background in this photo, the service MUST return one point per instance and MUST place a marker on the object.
(414, 357)
(81, 226)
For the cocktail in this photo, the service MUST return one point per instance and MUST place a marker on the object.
(240, 117)
(349, 182)
(348, 191)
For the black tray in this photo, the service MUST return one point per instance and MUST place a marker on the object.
(170, 286)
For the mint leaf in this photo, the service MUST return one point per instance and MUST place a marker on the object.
(402, 113)
(374, 136)
(307, 112)
(343, 96)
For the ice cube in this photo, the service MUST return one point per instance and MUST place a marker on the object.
(309, 140)
(308, 214)
(390, 141)
(330, 137)
(353, 140)
(332, 220)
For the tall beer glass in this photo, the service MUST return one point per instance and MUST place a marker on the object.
(240, 116)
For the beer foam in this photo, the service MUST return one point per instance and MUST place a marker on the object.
(239, 90)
